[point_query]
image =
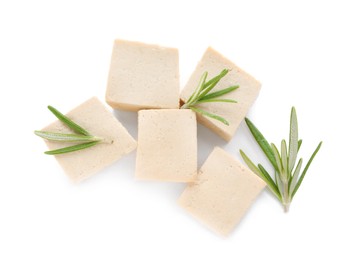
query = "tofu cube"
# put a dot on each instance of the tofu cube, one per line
(99, 121)
(222, 193)
(213, 62)
(143, 76)
(167, 145)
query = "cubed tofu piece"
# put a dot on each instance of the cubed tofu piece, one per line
(213, 62)
(167, 145)
(143, 76)
(222, 193)
(93, 116)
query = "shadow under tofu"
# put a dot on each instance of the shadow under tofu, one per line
(207, 140)
(129, 121)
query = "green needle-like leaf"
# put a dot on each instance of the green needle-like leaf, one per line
(72, 148)
(216, 79)
(279, 182)
(199, 88)
(220, 93)
(207, 90)
(293, 141)
(60, 137)
(250, 164)
(295, 176)
(306, 169)
(208, 114)
(284, 158)
(75, 127)
(216, 100)
(209, 86)
(277, 157)
(261, 140)
(299, 144)
(270, 182)
(267, 179)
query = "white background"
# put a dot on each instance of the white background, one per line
(58, 53)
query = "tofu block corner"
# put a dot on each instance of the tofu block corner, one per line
(143, 76)
(213, 62)
(99, 121)
(222, 193)
(167, 145)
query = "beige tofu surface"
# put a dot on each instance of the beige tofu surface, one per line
(143, 76)
(98, 121)
(213, 62)
(167, 145)
(222, 193)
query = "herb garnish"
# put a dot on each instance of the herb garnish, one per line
(202, 95)
(81, 136)
(287, 178)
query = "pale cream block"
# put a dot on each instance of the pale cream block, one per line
(167, 145)
(213, 62)
(143, 76)
(222, 193)
(93, 116)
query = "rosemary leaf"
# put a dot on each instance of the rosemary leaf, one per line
(250, 164)
(261, 140)
(72, 148)
(295, 176)
(77, 128)
(208, 114)
(199, 88)
(259, 173)
(279, 182)
(277, 157)
(305, 170)
(270, 182)
(293, 141)
(216, 79)
(216, 100)
(284, 158)
(60, 137)
(220, 93)
(211, 86)
(299, 144)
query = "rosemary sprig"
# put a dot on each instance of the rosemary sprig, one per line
(81, 136)
(287, 178)
(202, 95)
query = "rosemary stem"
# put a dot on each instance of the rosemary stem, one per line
(286, 199)
(185, 106)
(100, 139)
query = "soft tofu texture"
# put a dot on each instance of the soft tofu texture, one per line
(222, 193)
(99, 121)
(167, 145)
(143, 76)
(213, 62)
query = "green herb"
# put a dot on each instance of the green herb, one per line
(287, 178)
(81, 136)
(202, 95)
